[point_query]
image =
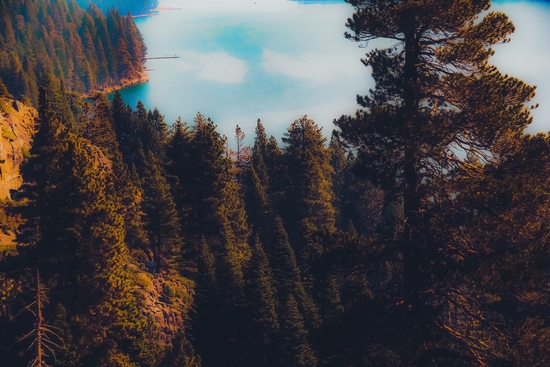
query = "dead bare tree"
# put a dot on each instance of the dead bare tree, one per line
(42, 333)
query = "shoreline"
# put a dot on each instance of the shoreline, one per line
(154, 12)
(121, 84)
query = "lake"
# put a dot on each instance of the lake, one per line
(277, 60)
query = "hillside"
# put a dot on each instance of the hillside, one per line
(17, 123)
(417, 236)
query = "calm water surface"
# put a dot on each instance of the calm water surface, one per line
(277, 60)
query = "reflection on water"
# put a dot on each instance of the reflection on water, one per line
(276, 60)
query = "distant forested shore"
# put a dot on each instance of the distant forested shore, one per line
(85, 50)
(134, 7)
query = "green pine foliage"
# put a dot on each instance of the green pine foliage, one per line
(286, 273)
(161, 220)
(4, 91)
(261, 298)
(309, 173)
(209, 196)
(440, 118)
(176, 163)
(76, 46)
(182, 354)
(206, 317)
(416, 237)
(99, 129)
(295, 348)
(75, 233)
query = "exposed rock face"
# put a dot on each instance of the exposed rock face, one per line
(165, 300)
(17, 126)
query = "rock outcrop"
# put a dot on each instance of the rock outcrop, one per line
(17, 125)
(165, 300)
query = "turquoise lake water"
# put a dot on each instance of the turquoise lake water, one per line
(277, 60)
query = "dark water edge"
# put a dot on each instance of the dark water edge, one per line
(493, 1)
(320, 1)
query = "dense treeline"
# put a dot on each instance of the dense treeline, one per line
(86, 50)
(415, 236)
(135, 7)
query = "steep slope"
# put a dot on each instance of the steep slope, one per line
(17, 123)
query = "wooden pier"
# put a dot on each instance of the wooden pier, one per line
(162, 57)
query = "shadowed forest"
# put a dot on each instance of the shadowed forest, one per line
(416, 235)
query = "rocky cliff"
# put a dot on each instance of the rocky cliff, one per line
(17, 124)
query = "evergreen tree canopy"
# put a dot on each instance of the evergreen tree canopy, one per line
(161, 219)
(436, 98)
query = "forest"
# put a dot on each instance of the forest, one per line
(416, 235)
(86, 50)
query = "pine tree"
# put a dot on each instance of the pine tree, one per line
(296, 350)
(161, 219)
(181, 354)
(206, 312)
(209, 193)
(262, 304)
(503, 217)
(4, 91)
(100, 131)
(435, 97)
(177, 155)
(233, 349)
(128, 128)
(256, 200)
(286, 273)
(76, 234)
(242, 153)
(309, 170)
(338, 163)
(158, 137)
(308, 211)
(45, 340)
(42, 170)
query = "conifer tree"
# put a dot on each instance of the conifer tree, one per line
(158, 137)
(296, 350)
(233, 314)
(242, 153)
(161, 219)
(100, 131)
(4, 91)
(307, 211)
(286, 273)
(42, 170)
(309, 171)
(45, 341)
(256, 200)
(260, 140)
(338, 163)
(262, 304)
(177, 155)
(76, 234)
(209, 192)
(59, 101)
(128, 128)
(181, 354)
(206, 312)
(436, 97)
